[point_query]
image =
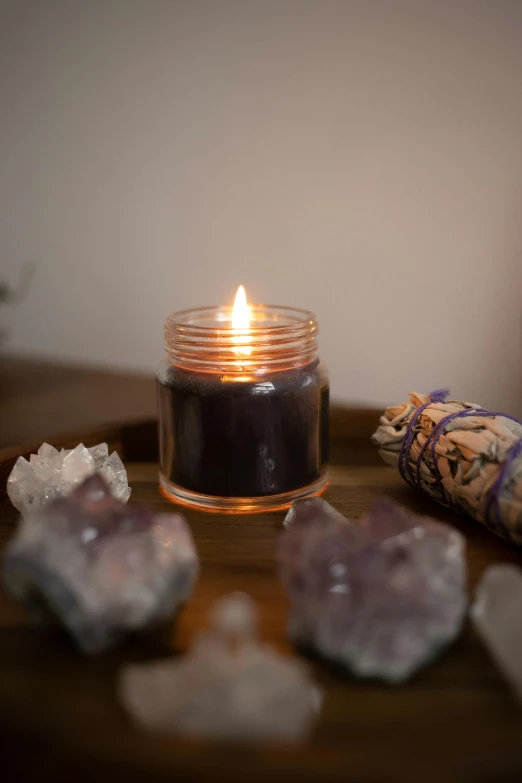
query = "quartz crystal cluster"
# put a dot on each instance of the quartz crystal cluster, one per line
(103, 568)
(381, 596)
(497, 618)
(52, 473)
(229, 685)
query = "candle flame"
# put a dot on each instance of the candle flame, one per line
(241, 322)
(241, 310)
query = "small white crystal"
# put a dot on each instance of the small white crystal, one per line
(497, 617)
(22, 481)
(113, 471)
(47, 451)
(43, 468)
(306, 511)
(51, 474)
(100, 454)
(228, 686)
(77, 464)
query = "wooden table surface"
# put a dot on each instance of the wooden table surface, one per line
(60, 719)
(40, 400)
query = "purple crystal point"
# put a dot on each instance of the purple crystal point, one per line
(104, 568)
(382, 596)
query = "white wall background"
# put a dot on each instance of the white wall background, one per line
(362, 159)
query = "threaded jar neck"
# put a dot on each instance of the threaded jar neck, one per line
(278, 338)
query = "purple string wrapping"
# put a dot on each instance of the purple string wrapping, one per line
(439, 395)
(493, 498)
(492, 514)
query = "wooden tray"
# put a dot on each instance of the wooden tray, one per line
(59, 715)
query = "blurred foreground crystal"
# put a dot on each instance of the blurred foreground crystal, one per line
(497, 617)
(52, 473)
(308, 511)
(381, 596)
(229, 685)
(105, 569)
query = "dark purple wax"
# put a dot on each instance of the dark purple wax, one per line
(234, 438)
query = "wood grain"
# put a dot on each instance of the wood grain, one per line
(61, 721)
(40, 400)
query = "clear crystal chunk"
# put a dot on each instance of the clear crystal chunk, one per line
(229, 685)
(100, 455)
(497, 618)
(304, 511)
(51, 474)
(104, 568)
(381, 596)
(47, 451)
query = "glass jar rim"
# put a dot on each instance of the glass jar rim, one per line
(277, 337)
(296, 317)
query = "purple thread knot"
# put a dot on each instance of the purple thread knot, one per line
(439, 395)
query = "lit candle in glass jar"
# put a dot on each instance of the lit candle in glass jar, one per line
(243, 407)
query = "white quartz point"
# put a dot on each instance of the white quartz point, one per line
(77, 463)
(305, 511)
(51, 474)
(229, 685)
(47, 451)
(100, 454)
(497, 617)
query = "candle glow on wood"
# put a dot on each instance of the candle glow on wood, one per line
(241, 323)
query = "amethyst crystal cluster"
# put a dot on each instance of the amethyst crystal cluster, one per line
(105, 569)
(381, 596)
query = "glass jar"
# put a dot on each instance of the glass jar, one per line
(243, 413)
